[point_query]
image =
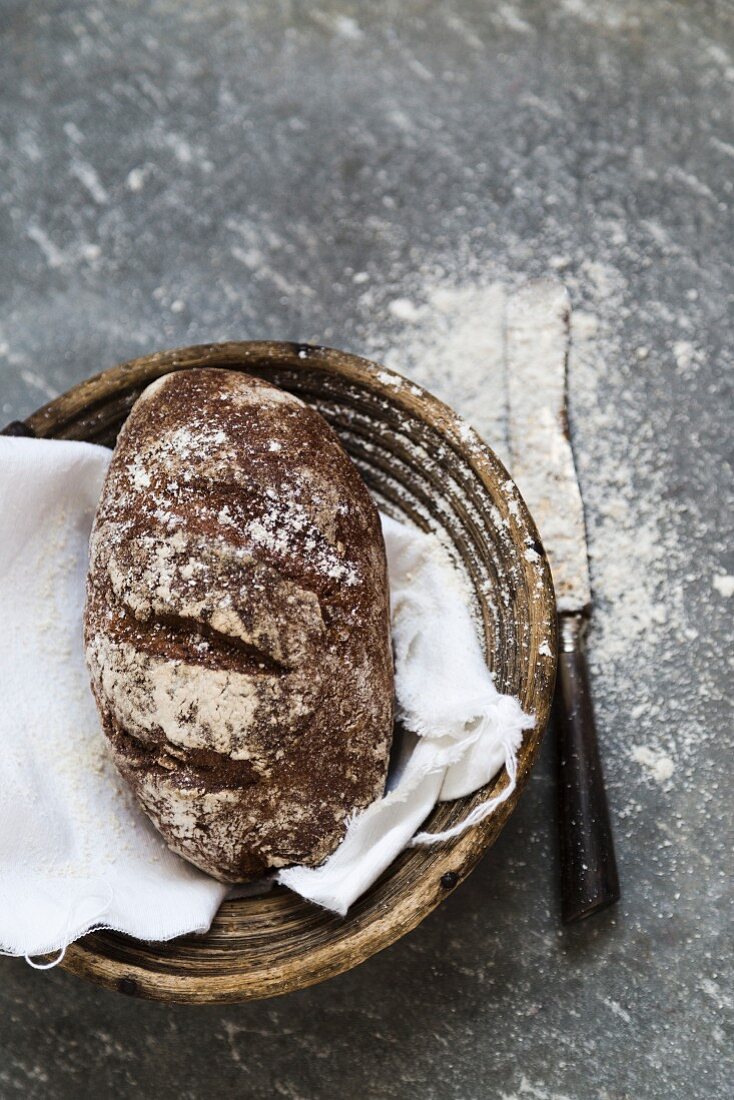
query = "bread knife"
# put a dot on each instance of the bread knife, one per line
(537, 338)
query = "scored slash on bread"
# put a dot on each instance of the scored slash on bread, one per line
(237, 624)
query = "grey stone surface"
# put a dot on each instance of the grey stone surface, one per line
(184, 171)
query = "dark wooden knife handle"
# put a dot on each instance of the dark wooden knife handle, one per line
(17, 427)
(589, 880)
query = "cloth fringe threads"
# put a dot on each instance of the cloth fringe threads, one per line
(484, 809)
(66, 935)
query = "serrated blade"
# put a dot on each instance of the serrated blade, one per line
(537, 340)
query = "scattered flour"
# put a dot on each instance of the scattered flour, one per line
(447, 334)
(454, 349)
(135, 179)
(724, 584)
(659, 766)
(89, 179)
(404, 310)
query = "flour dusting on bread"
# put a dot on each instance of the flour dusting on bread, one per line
(237, 624)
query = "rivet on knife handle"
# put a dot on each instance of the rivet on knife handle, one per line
(589, 880)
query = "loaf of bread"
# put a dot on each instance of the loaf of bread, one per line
(237, 624)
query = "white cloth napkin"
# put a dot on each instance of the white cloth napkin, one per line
(76, 852)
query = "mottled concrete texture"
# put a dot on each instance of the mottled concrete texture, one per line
(185, 170)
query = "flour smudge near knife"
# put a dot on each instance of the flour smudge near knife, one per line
(451, 341)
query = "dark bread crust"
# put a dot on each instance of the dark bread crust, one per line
(237, 624)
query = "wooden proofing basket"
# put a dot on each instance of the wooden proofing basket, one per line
(420, 461)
